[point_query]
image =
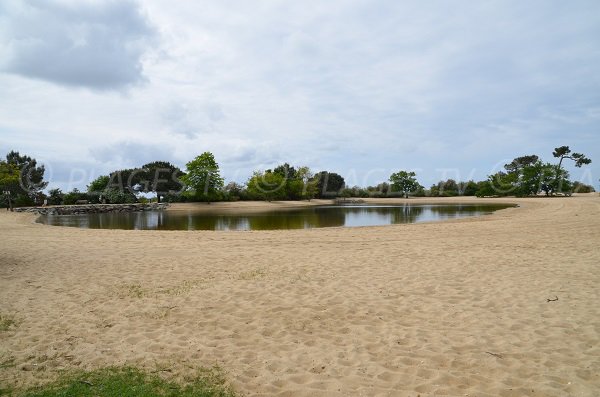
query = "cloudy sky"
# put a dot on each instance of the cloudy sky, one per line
(360, 87)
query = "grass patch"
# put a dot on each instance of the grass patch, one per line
(6, 322)
(131, 382)
(7, 363)
(255, 274)
(180, 289)
(131, 291)
(137, 291)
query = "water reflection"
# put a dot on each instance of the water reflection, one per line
(299, 218)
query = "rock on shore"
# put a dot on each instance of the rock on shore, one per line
(94, 208)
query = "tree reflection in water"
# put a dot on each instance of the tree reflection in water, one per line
(407, 214)
(297, 218)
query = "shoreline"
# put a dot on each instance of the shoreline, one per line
(401, 310)
(249, 207)
(258, 206)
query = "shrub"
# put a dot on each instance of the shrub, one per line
(74, 196)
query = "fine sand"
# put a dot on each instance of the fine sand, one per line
(503, 305)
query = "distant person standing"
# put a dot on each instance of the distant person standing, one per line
(7, 194)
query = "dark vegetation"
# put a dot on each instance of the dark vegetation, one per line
(22, 183)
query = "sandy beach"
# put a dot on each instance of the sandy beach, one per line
(501, 305)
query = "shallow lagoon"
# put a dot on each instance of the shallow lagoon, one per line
(290, 218)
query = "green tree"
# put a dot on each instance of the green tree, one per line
(97, 188)
(31, 177)
(203, 177)
(293, 184)
(55, 196)
(562, 153)
(125, 180)
(234, 191)
(162, 178)
(467, 188)
(519, 163)
(121, 186)
(379, 191)
(267, 186)
(524, 174)
(346, 193)
(284, 182)
(309, 184)
(579, 187)
(448, 188)
(354, 191)
(499, 184)
(329, 184)
(554, 180)
(9, 183)
(538, 176)
(293, 188)
(530, 179)
(286, 171)
(116, 188)
(404, 182)
(98, 185)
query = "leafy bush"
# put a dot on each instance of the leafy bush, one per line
(119, 196)
(74, 196)
(23, 200)
(579, 187)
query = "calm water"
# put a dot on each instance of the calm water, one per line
(298, 218)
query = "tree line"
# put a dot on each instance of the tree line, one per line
(529, 175)
(22, 183)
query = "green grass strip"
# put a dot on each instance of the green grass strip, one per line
(131, 382)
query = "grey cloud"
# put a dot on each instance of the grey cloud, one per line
(98, 45)
(131, 154)
(192, 120)
(244, 155)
